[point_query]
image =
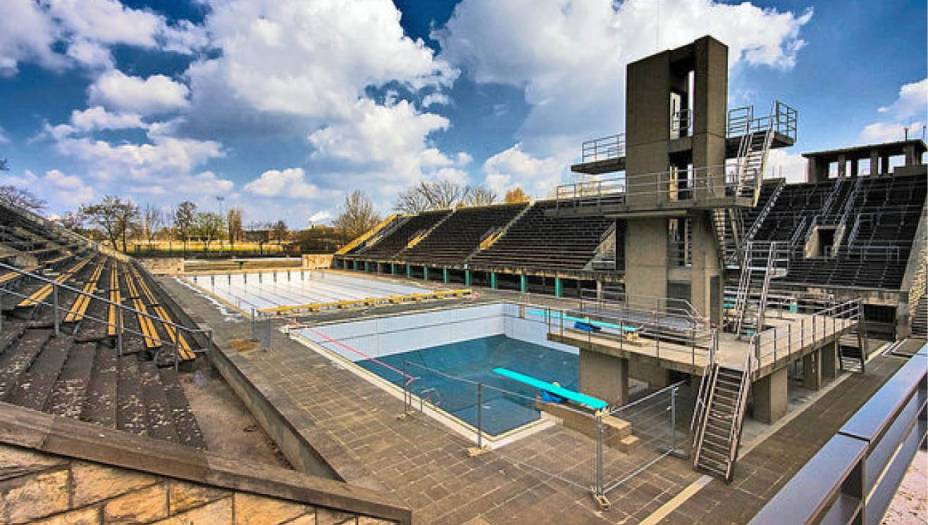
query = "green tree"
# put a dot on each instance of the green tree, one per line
(114, 218)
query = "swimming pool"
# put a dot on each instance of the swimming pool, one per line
(444, 354)
(294, 287)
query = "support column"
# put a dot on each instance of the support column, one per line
(392, 268)
(829, 362)
(493, 280)
(367, 266)
(467, 278)
(854, 166)
(599, 290)
(408, 271)
(444, 275)
(354, 265)
(425, 273)
(558, 287)
(842, 166)
(604, 377)
(770, 396)
(874, 163)
(523, 283)
(812, 370)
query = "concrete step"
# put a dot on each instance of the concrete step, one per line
(12, 330)
(130, 409)
(188, 431)
(35, 385)
(100, 403)
(70, 390)
(160, 421)
(19, 358)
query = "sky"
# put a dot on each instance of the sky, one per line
(282, 107)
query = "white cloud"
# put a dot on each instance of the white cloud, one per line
(513, 167)
(26, 34)
(288, 183)
(912, 101)
(435, 98)
(58, 189)
(4, 138)
(106, 21)
(320, 217)
(312, 58)
(907, 112)
(570, 57)
(155, 94)
(98, 118)
(782, 163)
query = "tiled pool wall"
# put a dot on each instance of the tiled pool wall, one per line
(383, 336)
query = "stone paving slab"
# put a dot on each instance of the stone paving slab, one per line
(353, 425)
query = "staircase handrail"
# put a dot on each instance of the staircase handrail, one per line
(768, 206)
(703, 385)
(734, 437)
(124, 308)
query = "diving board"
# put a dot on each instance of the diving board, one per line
(576, 397)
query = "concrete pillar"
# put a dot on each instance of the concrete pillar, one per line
(523, 283)
(771, 396)
(604, 376)
(653, 374)
(392, 268)
(354, 265)
(874, 163)
(812, 370)
(493, 280)
(842, 166)
(854, 165)
(830, 361)
(409, 271)
(467, 278)
(425, 273)
(599, 290)
(558, 287)
(367, 266)
(444, 275)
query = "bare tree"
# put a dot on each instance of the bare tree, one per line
(115, 217)
(279, 229)
(479, 196)
(234, 225)
(152, 221)
(73, 221)
(209, 226)
(184, 216)
(434, 195)
(262, 232)
(21, 198)
(357, 215)
(515, 196)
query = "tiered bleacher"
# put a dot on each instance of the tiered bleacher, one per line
(542, 241)
(877, 218)
(396, 239)
(83, 372)
(461, 234)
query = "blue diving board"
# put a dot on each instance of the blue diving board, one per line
(576, 397)
(585, 320)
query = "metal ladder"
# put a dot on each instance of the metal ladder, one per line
(761, 263)
(752, 161)
(719, 416)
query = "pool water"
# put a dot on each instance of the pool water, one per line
(474, 360)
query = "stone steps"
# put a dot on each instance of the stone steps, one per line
(70, 391)
(35, 385)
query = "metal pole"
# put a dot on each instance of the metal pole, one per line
(119, 332)
(57, 322)
(405, 390)
(673, 421)
(479, 415)
(254, 334)
(598, 480)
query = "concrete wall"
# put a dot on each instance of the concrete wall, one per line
(316, 261)
(163, 265)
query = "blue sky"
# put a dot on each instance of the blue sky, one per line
(283, 106)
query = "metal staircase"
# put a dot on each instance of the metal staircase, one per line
(852, 345)
(762, 262)
(729, 230)
(920, 318)
(719, 415)
(605, 258)
(752, 161)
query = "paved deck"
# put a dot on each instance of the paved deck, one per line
(767, 467)
(353, 425)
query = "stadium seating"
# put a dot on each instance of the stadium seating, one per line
(458, 236)
(396, 240)
(542, 241)
(81, 373)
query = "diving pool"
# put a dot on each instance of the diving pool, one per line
(445, 354)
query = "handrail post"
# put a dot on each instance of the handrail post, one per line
(55, 309)
(119, 337)
(479, 415)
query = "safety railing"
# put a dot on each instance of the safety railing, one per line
(681, 123)
(603, 148)
(121, 330)
(591, 299)
(781, 342)
(782, 119)
(669, 186)
(855, 475)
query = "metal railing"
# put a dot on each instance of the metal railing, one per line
(782, 119)
(669, 186)
(681, 123)
(773, 344)
(603, 148)
(854, 476)
(119, 325)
